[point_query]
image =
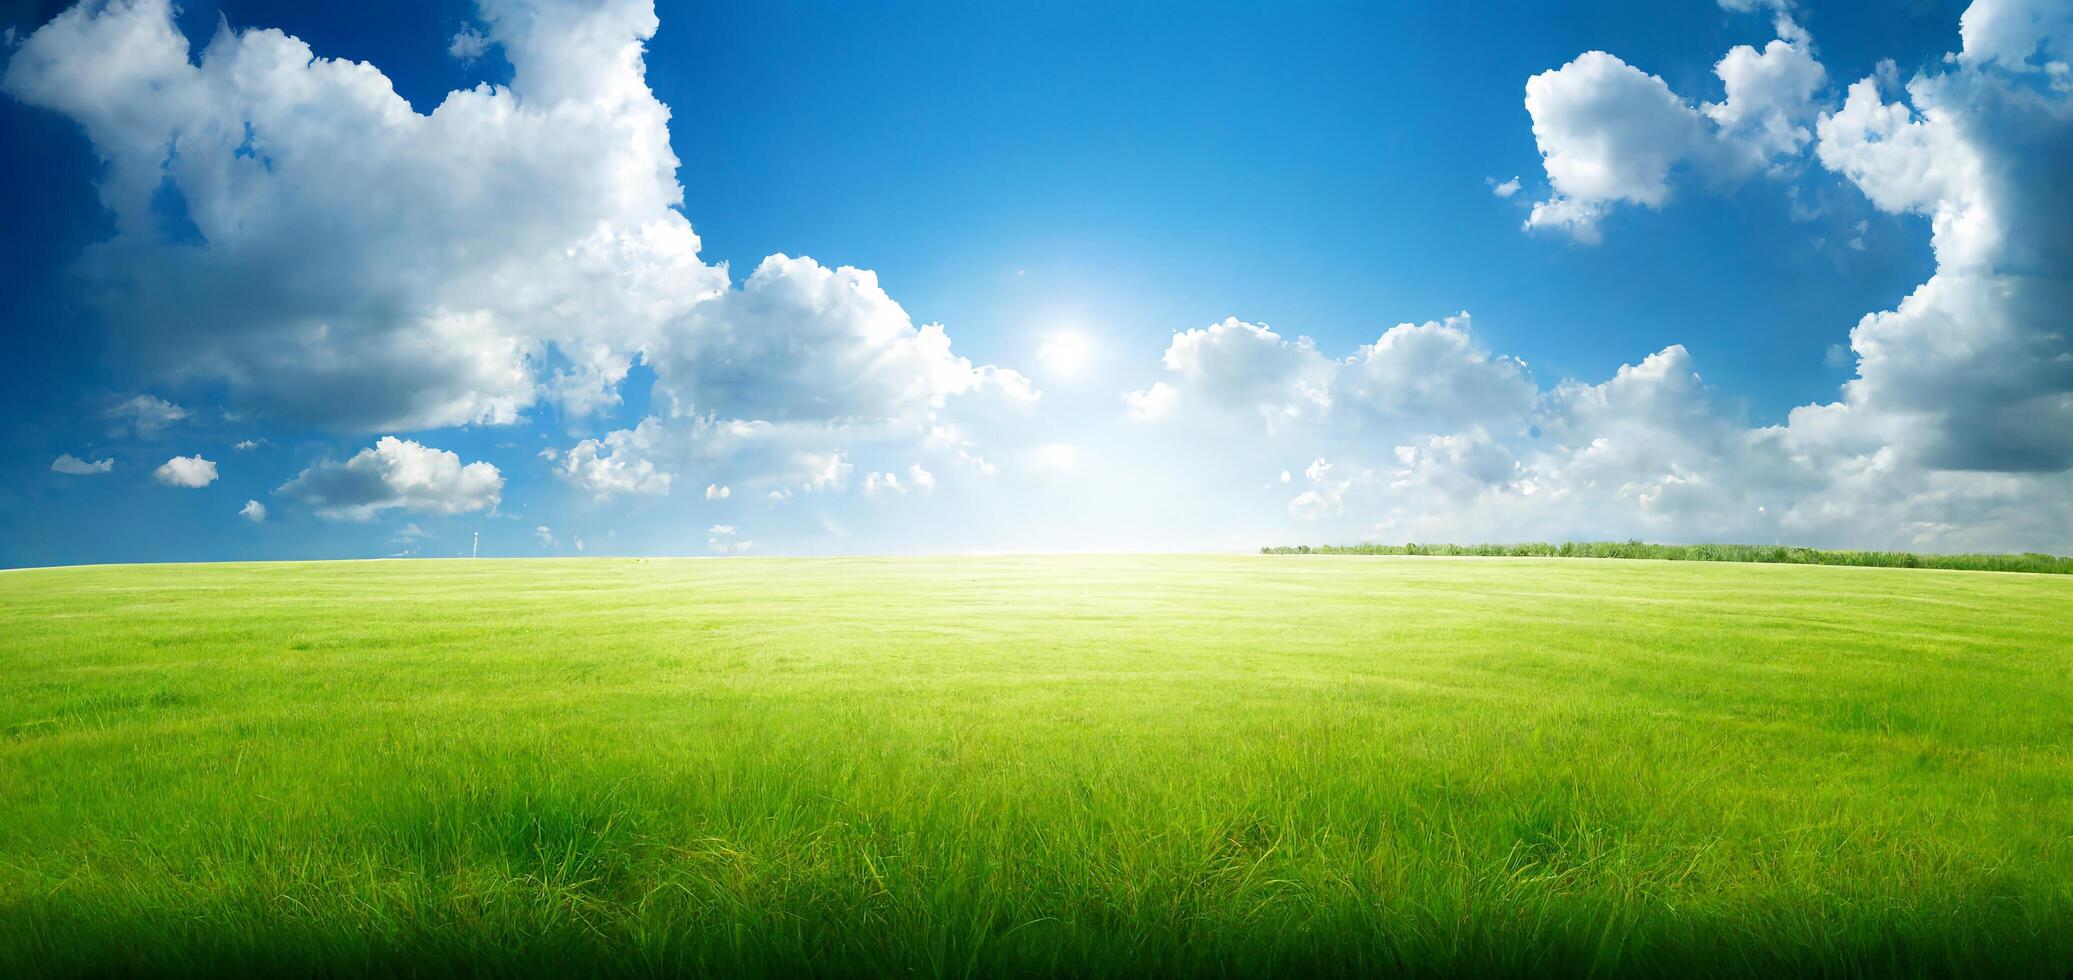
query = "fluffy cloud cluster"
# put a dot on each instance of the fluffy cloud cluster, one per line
(888, 483)
(291, 232)
(1957, 431)
(723, 539)
(190, 472)
(143, 415)
(288, 226)
(1610, 133)
(396, 474)
(616, 464)
(803, 343)
(1414, 377)
(1974, 369)
(71, 465)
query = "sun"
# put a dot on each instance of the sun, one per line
(1065, 353)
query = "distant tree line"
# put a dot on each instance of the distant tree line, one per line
(1771, 554)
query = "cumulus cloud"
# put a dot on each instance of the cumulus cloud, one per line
(2022, 35)
(1413, 377)
(1955, 433)
(822, 471)
(1246, 367)
(71, 465)
(1770, 100)
(396, 474)
(1974, 369)
(1610, 133)
(714, 491)
(468, 45)
(801, 342)
(1151, 404)
(186, 471)
(1326, 496)
(619, 463)
(1434, 375)
(336, 257)
(253, 511)
(143, 415)
(879, 484)
(724, 539)
(918, 480)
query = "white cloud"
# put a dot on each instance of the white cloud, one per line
(396, 474)
(1415, 377)
(723, 539)
(1612, 134)
(1770, 100)
(1433, 375)
(822, 471)
(1974, 369)
(714, 491)
(801, 342)
(919, 480)
(545, 535)
(2011, 33)
(880, 484)
(618, 464)
(247, 445)
(517, 243)
(144, 415)
(1608, 132)
(1504, 188)
(1326, 496)
(253, 511)
(1151, 404)
(74, 466)
(1956, 433)
(186, 471)
(1239, 366)
(468, 45)
(1454, 466)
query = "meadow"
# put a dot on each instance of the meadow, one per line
(1088, 766)
(1769, 554)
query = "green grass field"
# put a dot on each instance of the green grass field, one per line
(1227, 766)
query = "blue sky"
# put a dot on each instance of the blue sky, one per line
(1109, 174)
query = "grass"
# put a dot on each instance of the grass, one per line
(1770, 554)
(1211, 766)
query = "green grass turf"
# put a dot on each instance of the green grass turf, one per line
(985, 766)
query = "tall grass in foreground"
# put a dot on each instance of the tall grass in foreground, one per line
(1206, 766)
(1769, 554)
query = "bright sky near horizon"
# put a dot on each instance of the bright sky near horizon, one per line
(625, 277)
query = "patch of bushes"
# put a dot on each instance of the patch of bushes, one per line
(1762, 553)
